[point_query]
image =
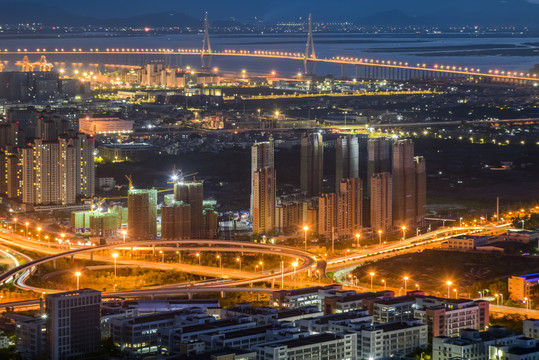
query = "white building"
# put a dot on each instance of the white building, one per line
(531, 328)
(316, 347)
(473, 345)
(387, 340)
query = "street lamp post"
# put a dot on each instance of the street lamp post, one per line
(294, 265)
(460, 222)
(380, 236)
(357, 238)
(497, 299)
(27, 223)
(448, 283)
(305, 228)
(124, 233)
(238, 260)
(372, 278)
(48, 240)
(77, 275)
(199, 260)
(15, 225)
(406, 285)
(220, 264)
(179, 256)
(282, 275)
(261, 266)
(527, 303)
(115, 256)
(38, 233)
(385, 284)
(456, 293)
(403, 233)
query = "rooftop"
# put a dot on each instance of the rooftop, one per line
(306, 341)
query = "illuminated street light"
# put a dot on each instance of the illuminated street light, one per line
(385, 284)
(238, 260)
(124, 233)
(357, 238)
(38, 233)
(220, 264)
(27, 223)
(295, 265)
(115, 256)
(403, 233)
(372, 277)
(380, 236)
(406, 284)
(199, 260)
(448, 283)
(305, 228)
(77, 275)
(179, 256)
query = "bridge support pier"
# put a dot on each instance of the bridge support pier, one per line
(92, 256)
(190, 295)
(72, 259)
(54, 263)
(257, 296)
(342, 71)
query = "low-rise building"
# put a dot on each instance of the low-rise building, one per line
(465, 242)
(446, 317)
(323, 346)
(475, 345)
(138, 336)
(520, 286)
(172, 337)
(381, 341)
(31, 336)
(530, 328)
(521, 236)
(334, 323)
(394, 309)
(345, 301)
(313, 296)
(105, 126)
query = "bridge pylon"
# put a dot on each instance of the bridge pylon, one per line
(206, 45)
(309, 49)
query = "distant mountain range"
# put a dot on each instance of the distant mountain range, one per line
(393, 12)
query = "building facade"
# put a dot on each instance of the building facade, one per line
(312, 164)
(263, 187)
(73, 324)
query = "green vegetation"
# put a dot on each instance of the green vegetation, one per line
(126, 279)
(469, 272)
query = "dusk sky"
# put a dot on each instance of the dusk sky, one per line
(291, 9)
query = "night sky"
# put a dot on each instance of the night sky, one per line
(272, 10)
(380, 12)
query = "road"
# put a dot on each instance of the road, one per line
(305, 259)
(342, 264)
